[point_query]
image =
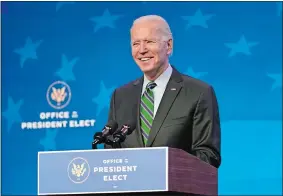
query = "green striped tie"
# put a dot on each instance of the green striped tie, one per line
(147, 110)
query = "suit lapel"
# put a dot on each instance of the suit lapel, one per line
(137, 93)
(172, 90)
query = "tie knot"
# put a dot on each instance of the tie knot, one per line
(151, 85)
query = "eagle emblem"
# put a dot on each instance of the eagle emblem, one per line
(58, 95)
(78, 170)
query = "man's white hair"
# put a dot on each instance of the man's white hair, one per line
(163, 26)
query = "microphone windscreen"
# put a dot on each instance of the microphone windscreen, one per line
(113, 125)
(97, 135)
(132, 126)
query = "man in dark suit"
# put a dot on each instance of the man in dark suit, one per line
(171, 109)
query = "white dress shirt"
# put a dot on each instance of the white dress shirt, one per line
(158, 91)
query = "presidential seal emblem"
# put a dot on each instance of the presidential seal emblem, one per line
(58, 95)
(78, 170)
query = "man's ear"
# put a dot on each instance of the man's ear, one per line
(170, 46)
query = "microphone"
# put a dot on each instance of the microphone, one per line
(101, 137)
(121, 134)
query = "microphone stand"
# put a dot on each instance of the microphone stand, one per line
(94, 145)
(108, 141)
(116, 144)
(113, 143)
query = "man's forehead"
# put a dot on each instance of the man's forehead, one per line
(146, 25)
(145, 31)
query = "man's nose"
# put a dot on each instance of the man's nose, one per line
(143, 48)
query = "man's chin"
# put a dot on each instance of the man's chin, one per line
(146, 67)
(147, 70)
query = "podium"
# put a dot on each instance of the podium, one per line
(125, 171)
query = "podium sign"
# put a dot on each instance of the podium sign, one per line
(103, 171)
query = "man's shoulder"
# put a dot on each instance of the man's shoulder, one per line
(195, 84)
(128, 86)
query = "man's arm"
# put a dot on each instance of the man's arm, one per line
(111, 115)
(206, 139)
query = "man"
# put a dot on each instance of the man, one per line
(171, 109)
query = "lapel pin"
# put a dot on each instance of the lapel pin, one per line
(173, 89)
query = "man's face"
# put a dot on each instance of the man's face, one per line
(149, 50)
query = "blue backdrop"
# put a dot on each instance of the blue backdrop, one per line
(85, 46)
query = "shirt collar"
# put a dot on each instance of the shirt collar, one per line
(162, 80)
